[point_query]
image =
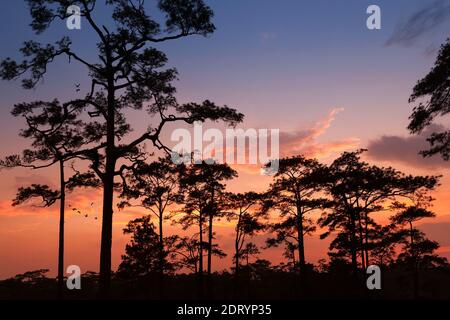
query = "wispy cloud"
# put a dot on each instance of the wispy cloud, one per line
(305, 141)
(420, 23)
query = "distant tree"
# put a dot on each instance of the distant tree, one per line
(382, 248)
(155, 186)
(417, 251)
(249, 251)
(244, 208)
(204, 187)
(56, 136)
(359, 189)
(259, 269)
(31, 278)
(433, 96)
(293, 195)
(289, 253)
(186, 253)
(194, 214)
(142, 255)
(407, 216)
(128, 73)
(422, 252)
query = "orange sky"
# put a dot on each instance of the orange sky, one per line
(28, 236)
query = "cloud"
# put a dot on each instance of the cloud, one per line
(405, 149)
(305, 141)
(296, 139)
(420, 23)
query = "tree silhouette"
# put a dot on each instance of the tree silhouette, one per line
(433, 96)
(186, 252)
(187, 248)
(417, 250)
(293, 195)
(155, 185)
(143, 255)
(204, 200)
(244, 208)
(128, 73)
(382, 249)
(248, 251)
(57, 135)
(359, 189)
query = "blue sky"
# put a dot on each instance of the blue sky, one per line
(285, 63)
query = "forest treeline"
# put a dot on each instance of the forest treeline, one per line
(348, 194)
(91, 141)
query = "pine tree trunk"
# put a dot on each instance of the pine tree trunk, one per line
(210, 237)
(210, 233)
(161, 255)
(108, 194)
(200, 258)
(106, 241)
(361, 243)
(200, 249)
(301, 245)
(353, 244)
(367, 239)
(414, 264)
(161, 243)
(236, 248)
(61, 230)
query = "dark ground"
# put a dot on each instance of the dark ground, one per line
(396, 285)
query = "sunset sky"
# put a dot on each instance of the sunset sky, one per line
(310, 68)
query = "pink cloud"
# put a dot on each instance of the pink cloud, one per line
(306, 142)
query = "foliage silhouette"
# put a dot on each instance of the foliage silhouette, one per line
(155, 186)
(294, 195)
(204, 188)
(417, 251)
(245, 209)
(128, 73)
(143, 255)
(359, 189)
(432, 93)
(56, 138)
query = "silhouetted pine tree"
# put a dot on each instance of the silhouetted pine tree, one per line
(417, 251)
(128, 73)
(432, 93)
(293, 195)
(56, 136)
(245, 210)
(155, 186)
(359, 189)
